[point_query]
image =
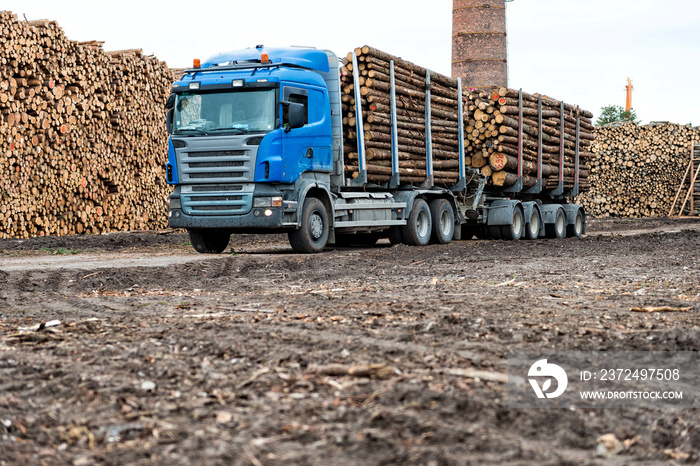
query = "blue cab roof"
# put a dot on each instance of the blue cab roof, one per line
(295, 56)
(292, 64)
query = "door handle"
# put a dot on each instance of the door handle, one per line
(309, 153)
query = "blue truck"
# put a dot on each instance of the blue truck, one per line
(256, 146)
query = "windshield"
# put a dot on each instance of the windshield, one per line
(237, 112)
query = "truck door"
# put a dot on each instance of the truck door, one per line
(307, 148)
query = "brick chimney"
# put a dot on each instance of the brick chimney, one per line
(479, 53)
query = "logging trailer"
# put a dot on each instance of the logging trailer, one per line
(256, 146)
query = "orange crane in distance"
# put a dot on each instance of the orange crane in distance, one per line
(628, 103)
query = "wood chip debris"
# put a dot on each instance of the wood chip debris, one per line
(372, 371)
(608, 445)
(660, 309)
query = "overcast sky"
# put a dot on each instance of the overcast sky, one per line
(579, 51)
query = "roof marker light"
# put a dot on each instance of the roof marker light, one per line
(237, 83)
(264, 58)
(197, 63)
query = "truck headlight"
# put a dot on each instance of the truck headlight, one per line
(175, 204)
(275, 201)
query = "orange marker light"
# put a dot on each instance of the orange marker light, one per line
(264, 58)
(197, 63)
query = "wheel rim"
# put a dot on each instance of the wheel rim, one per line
(423, 224)
(560, 223)
(534, 225)
(579, 224)
(517, 223)
(445, 222)
(316, 226)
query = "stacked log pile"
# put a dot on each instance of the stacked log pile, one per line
(82, 134)
(410, 101)
(491, 122)
(493, 131)
(636, 170)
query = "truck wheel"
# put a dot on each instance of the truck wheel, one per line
(417, 230)
(558, 228)
(579, 225)
(209, 241)
(515, 230)
(457, 236)
(533, 227)
(312, 235)
(443, 220)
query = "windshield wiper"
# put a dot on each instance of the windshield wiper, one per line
(196, 130)
(239, 130)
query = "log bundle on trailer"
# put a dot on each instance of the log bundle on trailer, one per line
(504, 129)
(82, 134)
(636, 170)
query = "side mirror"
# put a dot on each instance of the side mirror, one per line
(169, 120)
(295, 115)
(170, 103)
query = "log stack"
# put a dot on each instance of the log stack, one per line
(410, 101)
(636, 170)
(82, 134)
(496, 119)
(491, 127)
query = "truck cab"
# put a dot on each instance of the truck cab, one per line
(251, 135)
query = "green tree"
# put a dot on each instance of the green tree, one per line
(615, 113)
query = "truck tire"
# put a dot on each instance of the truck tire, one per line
(418, 227)
(209, 241)
(443, 220)
(534, 225)
(558, 228)
(515, 230)
(457, 236)
(312, 235)
(578, 227)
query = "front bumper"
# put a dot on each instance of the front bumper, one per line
(256, 219)
(253, 216)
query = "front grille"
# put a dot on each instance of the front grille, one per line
(236, 163)
(216, 203)
(212, 208)
(216, 188)
(216, 198)
(202, 176)
(216, 180)
(216, 166)
(217, 153)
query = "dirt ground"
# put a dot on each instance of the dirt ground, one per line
(130, 348)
